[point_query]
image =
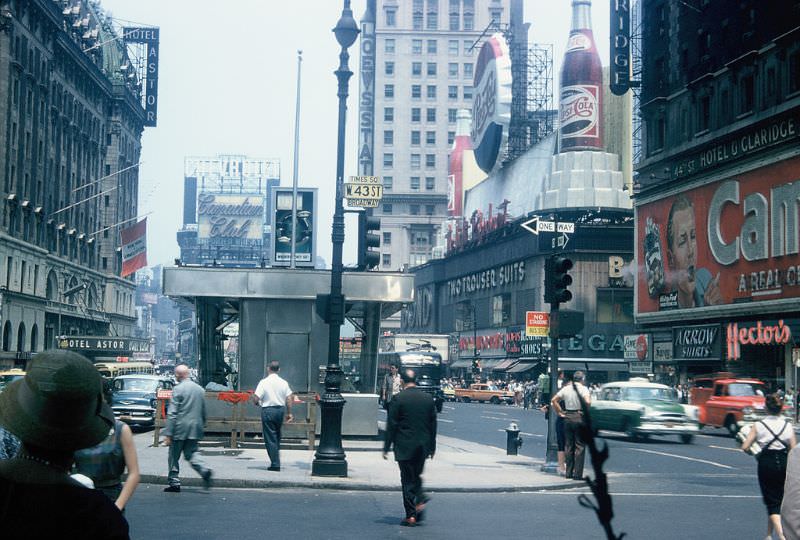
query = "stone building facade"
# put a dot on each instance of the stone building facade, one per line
(71, 122)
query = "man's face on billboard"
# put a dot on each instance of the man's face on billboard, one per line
(683, 250)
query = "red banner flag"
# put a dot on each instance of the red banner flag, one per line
(134, 248)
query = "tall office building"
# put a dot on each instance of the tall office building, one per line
(425, 53)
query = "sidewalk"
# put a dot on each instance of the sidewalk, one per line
(458, 466)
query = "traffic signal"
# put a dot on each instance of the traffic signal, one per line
(367, 258)
(476, 366)
(556, 279)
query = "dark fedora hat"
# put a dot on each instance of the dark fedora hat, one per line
(58, 405)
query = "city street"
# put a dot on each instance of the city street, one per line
(662, 489)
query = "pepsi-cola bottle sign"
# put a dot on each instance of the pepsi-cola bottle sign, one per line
(580, 107)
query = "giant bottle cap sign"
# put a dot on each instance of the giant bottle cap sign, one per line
(491, 106)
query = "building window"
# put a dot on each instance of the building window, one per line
(430, 161)
(431, 91)
(771, 84)
(429, 209)
(452, 92)
(468, 70)
(416, 114)
(432, 46)
(431, 69)
(704, 114)
(388, 182)
(454, 13)
(495, 15)
(452, 47)
(452, 70)
(469, 47)
(388, 161)
(388, 68)
(501, 309)
(387, 208)
(430, 137)
(433, 15)
(430, 183)
(388, 137)
(657, 134)
(416, 46)
(413, 209)
(794, 72)
(416, 69)
(388, 114)
(415, 161)
(388, 46)
(451, 136)
(387, 239)
(391, 18)
(614, 306)
(451, 116)
(467, 92)
(416, 91)
(430, 115)
(415, 183)
(416, 15)
(415, 138)
(469, 21)
(387, 260)
(747, 91)
(388, 90)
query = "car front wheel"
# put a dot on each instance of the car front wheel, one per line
(687, 438)
(731, 425)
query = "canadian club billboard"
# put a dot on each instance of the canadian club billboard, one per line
(731, 241)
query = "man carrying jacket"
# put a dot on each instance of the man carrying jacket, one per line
(411, 428)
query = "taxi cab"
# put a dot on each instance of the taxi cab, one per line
(134, 400)
(10, 375)
(640, 408)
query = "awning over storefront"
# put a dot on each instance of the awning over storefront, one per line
(522, 367)
(505, 364)
(461, 363)
(610, 366)
(592, 364)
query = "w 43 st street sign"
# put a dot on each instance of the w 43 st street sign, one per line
(364, 191)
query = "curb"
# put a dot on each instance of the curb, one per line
(238, 483)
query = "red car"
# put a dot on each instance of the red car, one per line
(724, 400)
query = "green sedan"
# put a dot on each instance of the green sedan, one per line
(640, 408)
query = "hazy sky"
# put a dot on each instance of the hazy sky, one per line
(227, 82)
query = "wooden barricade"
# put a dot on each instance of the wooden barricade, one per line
(240, 418)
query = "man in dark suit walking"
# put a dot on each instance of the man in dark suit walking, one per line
(411, 428)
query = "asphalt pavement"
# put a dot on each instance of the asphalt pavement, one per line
(661, 488)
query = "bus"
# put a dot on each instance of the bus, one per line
(427, 365)
(111, 370)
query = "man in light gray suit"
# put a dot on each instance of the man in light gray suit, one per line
(185, 420)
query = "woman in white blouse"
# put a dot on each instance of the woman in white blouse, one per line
(775, 435)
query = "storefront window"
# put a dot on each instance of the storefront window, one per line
(614, 306)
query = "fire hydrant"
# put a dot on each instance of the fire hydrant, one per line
(513, 440)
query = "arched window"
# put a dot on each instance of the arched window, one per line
(21, 337)
(52, 286)
(7, 336)
(34, 338)
(91, 297)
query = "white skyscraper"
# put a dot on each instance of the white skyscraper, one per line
(425, 53)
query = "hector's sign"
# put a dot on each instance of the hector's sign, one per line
(760, 334)
(732, 241)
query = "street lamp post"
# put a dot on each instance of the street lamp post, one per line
(329, 459)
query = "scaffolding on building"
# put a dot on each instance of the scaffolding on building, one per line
(636, 77)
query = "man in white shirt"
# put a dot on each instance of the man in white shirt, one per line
(275, 398)
(573, 420)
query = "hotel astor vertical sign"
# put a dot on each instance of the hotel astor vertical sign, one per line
(149, 36)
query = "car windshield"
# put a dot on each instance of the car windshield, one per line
(641, 394)
(135, 385)
(742, 389)
(5, 380)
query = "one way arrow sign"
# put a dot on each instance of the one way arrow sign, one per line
(536, 225)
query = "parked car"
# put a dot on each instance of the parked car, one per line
(483, 392)
(725, 400)
(640, 408)
(10, 375)
(134, 398)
